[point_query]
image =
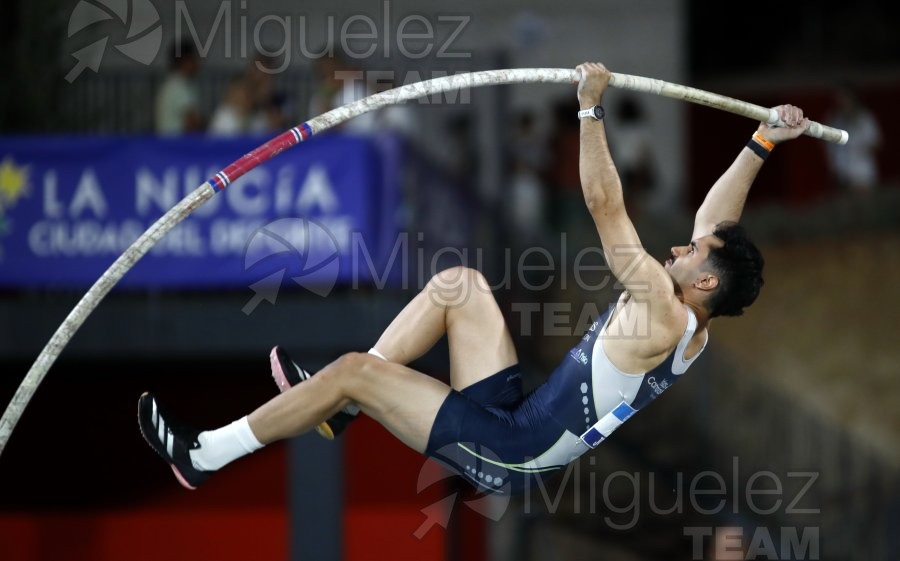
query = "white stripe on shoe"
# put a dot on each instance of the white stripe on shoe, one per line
(304, 375)
(351, 409)
(170, 441)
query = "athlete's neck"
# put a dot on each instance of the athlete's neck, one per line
(699, 310)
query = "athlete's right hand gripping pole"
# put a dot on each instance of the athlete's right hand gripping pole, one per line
(736, 106)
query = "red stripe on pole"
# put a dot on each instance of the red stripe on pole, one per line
(256, 157)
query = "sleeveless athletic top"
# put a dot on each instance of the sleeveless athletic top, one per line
(591, 398)
(504, 442)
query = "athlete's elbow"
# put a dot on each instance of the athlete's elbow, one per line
(603, 204)
(595, 200)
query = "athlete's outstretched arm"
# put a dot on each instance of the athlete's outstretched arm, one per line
(639, 273)
(725, 200)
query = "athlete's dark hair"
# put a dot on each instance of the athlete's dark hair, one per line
(739, 265)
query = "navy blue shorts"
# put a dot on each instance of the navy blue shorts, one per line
(487, 432)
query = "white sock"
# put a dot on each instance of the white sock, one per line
(222, 446)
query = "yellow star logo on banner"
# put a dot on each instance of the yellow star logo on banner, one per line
(13, 182)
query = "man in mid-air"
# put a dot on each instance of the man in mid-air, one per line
(482, 425)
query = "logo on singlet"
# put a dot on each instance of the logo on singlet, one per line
(579, 355)
(659, 387)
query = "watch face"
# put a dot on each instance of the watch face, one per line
(598, 112)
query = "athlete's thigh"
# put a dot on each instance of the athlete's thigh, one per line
(403, 400)
(479, 339)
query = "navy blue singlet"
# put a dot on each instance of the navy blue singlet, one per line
(504, 442)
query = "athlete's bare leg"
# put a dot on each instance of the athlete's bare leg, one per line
(404, 401)
(456, 302)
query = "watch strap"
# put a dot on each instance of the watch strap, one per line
(592, 113)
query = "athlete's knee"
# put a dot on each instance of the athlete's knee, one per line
(457, 286)
(353, 369)
(461, 274)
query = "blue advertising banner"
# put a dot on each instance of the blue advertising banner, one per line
(69, 206)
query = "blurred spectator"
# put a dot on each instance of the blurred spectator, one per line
(461, 153)
(526, 209)
(177, 102)
(631, 147)
(569, 211)
(338, 83)
(854, 165)
(327, 87)
(232, 116)
(268, 111)
(398, 117)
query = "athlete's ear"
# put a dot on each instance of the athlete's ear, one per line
(708, 281)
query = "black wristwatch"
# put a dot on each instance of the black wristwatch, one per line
(596, 113)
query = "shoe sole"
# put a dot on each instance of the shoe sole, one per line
(283, 385)
(277, 373)
(177, 473)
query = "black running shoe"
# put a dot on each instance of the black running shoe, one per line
(288, 374)
(171, 441)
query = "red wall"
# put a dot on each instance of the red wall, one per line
(384, 510)
(240, 514)
(57, 502)
(77, 481)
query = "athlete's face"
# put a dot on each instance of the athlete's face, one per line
(689, 264)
